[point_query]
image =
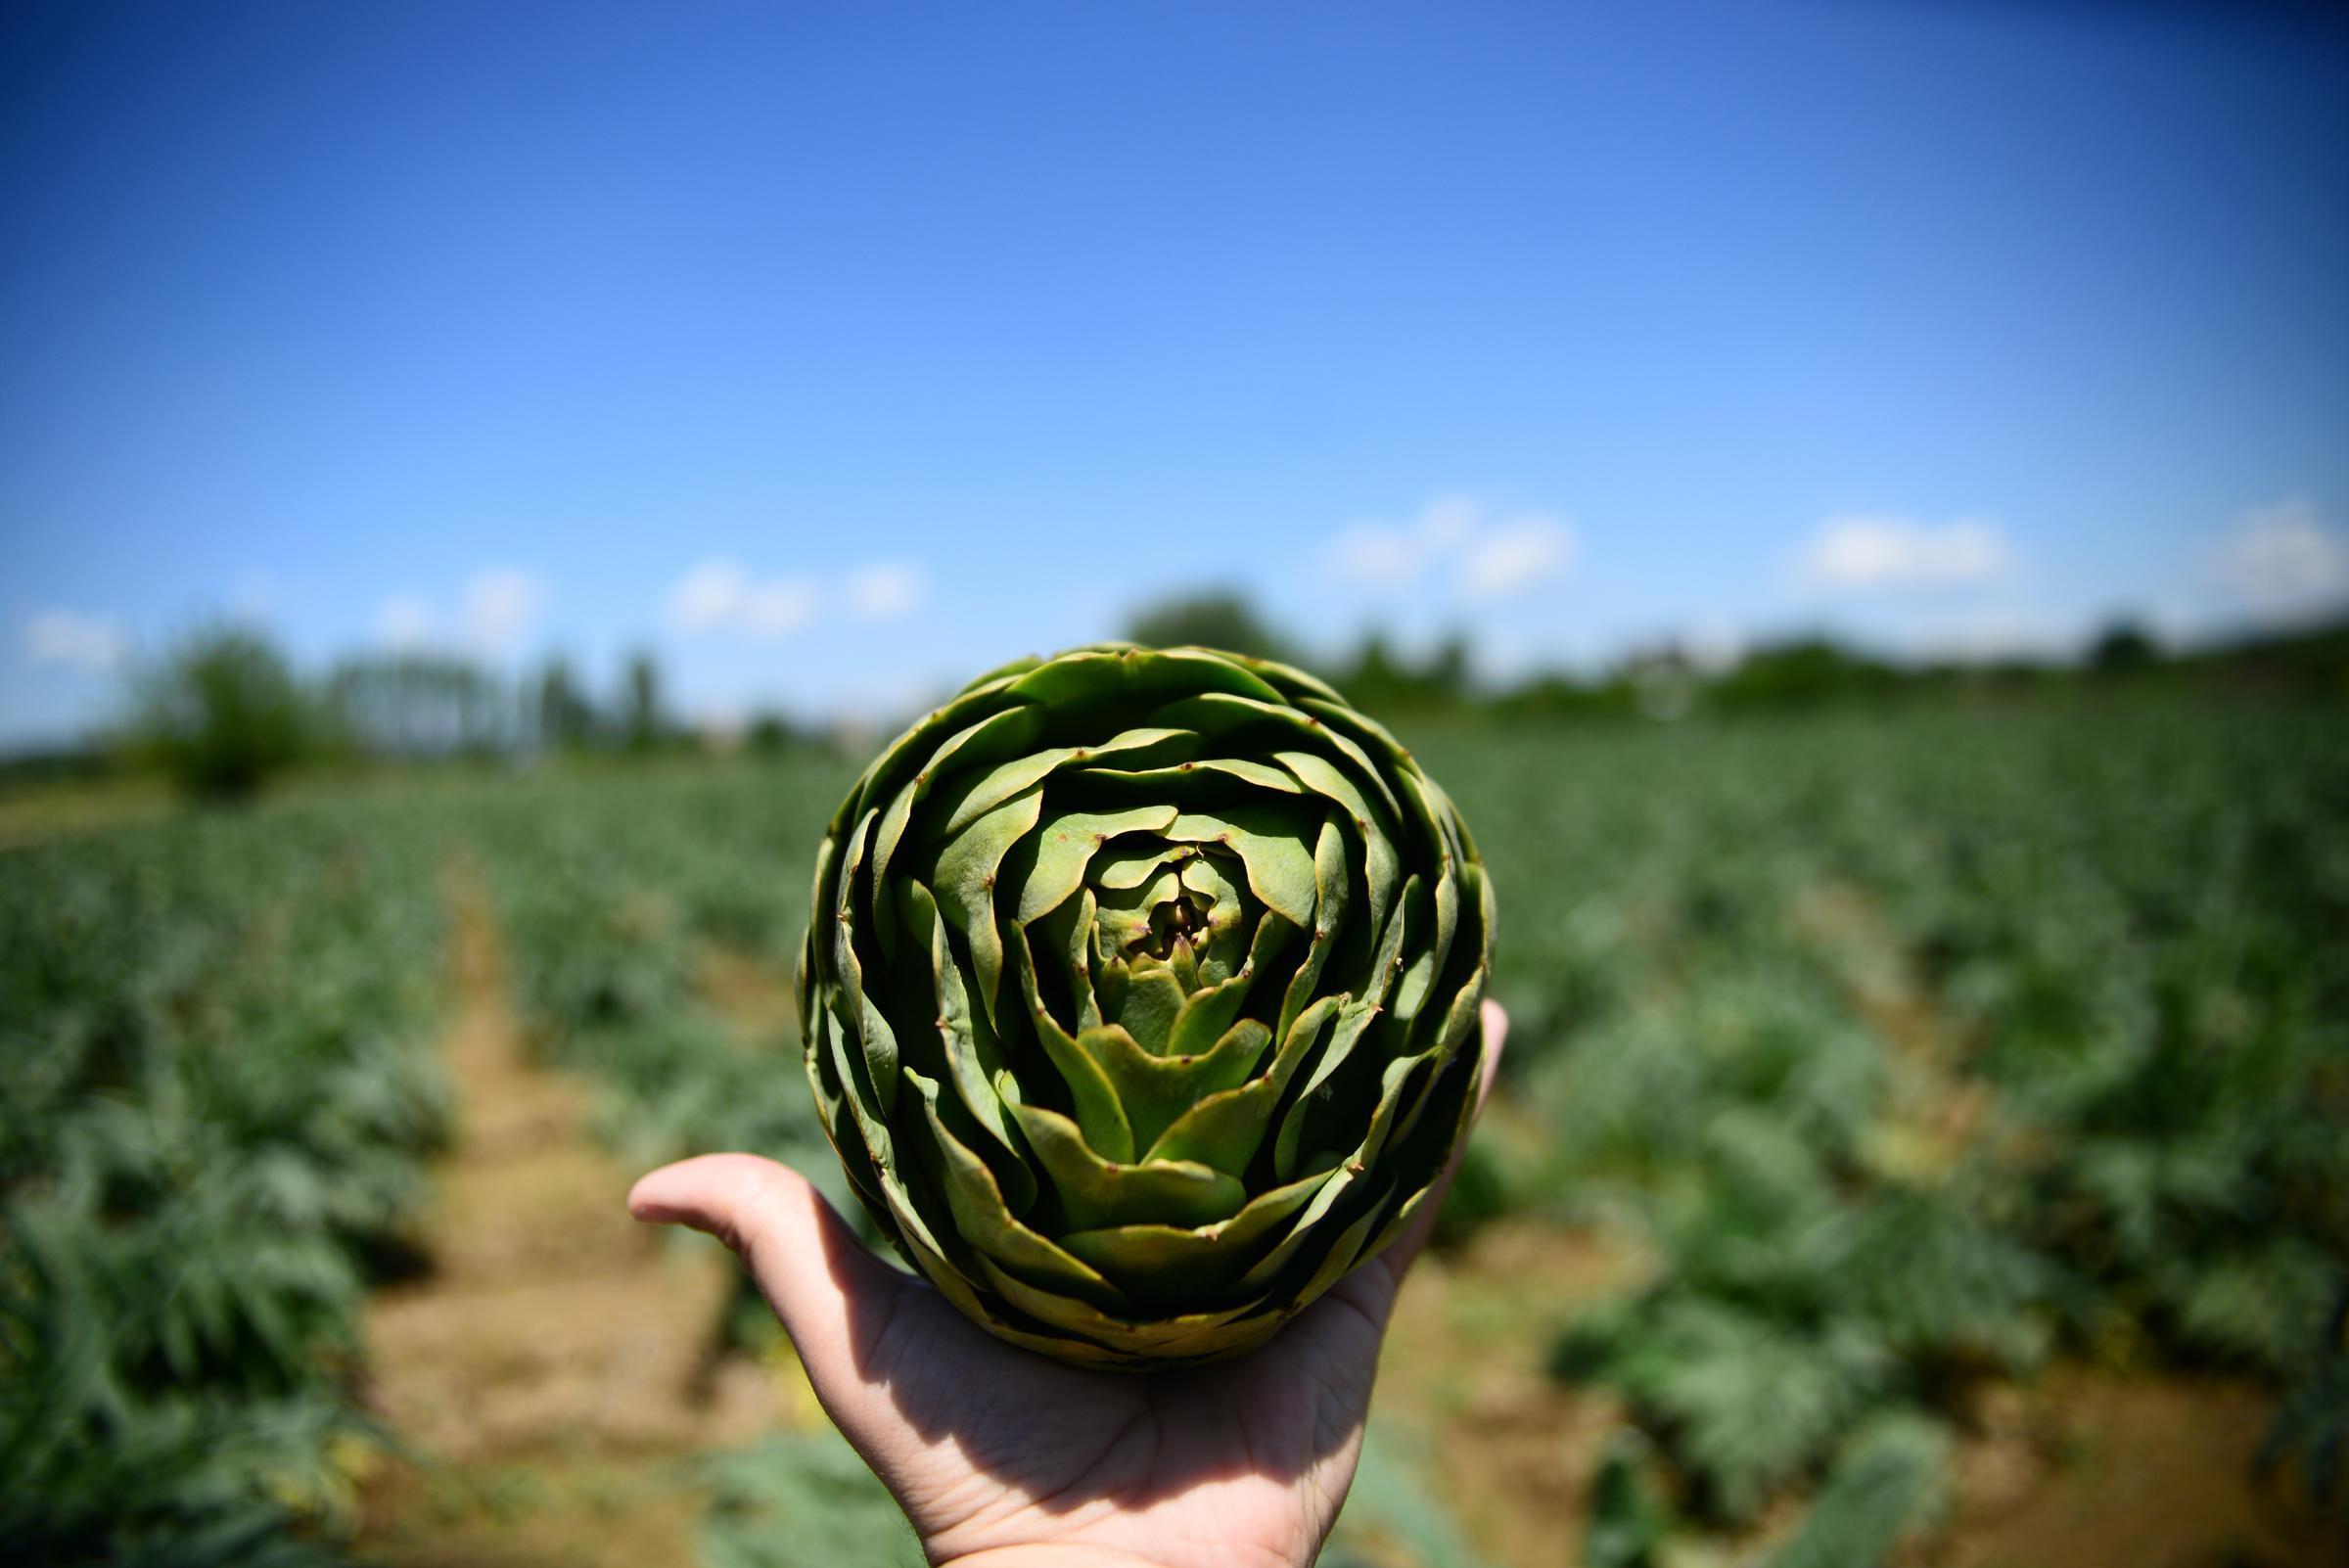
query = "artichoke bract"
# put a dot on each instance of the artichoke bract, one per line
(1140, 997)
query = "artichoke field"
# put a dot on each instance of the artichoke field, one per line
(1140, 997)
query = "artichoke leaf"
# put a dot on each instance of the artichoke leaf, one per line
(1270, 841)
(1066, 844)
(1130, 674)
(1096, 1193)
(1156, 1089)
(874, 1037)
(1153, 1002)
(965, 887)
(1225, 1127)
(1099, 1115)
(1164, 1263)
(986, 1221)
(1373, 828)
(1216, 716)
(1195, 780)
(970, 1052)
(1333, 891)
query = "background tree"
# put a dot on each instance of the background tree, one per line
(1213, 617)
(566, 718)
(2123, 648)
(221, 713)
(641, 718)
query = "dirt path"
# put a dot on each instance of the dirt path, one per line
(555, 1367)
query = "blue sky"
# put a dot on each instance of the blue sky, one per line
(838, 351)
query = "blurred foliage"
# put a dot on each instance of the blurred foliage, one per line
(1213, 617)
(222, 712)
(1916, 1049)
(214, 1112)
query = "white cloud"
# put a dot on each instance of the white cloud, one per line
(500, 604)
(495, 608)
(886, 590)
(718, 595)
(71, 637)
(403, 621)
(1890, 551)
(1457, 537)
(776, 608)
(2282, 562)
(709, 595)
(1516, 555)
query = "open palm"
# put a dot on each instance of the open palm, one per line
(999, 1456)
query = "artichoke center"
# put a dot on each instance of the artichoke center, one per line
(1181, 919)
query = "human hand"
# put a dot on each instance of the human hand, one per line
(1003, 1459)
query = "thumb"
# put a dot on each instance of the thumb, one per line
(822, 1283)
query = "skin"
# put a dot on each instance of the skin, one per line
(1004, 1460)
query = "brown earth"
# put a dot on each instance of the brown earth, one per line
(555, 1373)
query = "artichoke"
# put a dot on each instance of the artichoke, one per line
(1140, 997)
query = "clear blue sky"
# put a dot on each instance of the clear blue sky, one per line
(837, 351)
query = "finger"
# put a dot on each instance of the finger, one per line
(817, 1276)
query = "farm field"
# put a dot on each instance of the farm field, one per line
(1924, 1139)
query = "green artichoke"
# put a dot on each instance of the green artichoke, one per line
(1140, 997)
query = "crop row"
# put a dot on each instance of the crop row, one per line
(215, 1104)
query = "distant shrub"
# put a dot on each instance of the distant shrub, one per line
(221, 714)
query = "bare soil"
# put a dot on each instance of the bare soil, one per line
(554, 1372)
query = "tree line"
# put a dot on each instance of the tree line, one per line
(225, 708)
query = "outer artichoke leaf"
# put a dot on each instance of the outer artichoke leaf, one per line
(1094, 1193)
(1431, 816)
(1372, 827)
(874, 1037)
(1094, 1098)
(1157, 1340)
(1064, 941)
(911, 748)
(1216, 716)
(1415, 962)
(969, 1049)
(1294, 683)
(820, 897)
(965, 799)
(1345, 1176)
(966, 875)
(1196, 781)
(990, 740)
(1156, 1089)
(835, 1110)
(1272, 843)
(1159, 1264)
(1333, 891)
(1354, 1022)
(1460, 1021)
(1386, 964)
(1133, 676)
(1066, 843)
(986, 1221)
(1344, 1252)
